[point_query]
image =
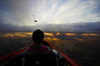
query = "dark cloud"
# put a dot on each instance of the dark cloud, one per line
(9, 27)
(75, 27)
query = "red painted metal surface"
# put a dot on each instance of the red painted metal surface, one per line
(7, 57)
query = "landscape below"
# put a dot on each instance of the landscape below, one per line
(82, 47)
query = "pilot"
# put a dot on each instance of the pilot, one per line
(37, 38)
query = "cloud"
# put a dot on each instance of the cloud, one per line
(17, 12)
(10, 27)
(70, 11)
(49, 12)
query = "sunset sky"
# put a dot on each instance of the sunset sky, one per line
(20, 12)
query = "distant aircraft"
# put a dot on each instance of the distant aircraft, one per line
(35, 19)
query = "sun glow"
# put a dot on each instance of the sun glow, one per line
(57, 33)
(49, 34)
(70, 34)
(50, 38)
(89, 34)
(8, 35)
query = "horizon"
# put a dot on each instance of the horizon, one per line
(64, 28)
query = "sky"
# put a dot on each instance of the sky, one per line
(20, 12)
